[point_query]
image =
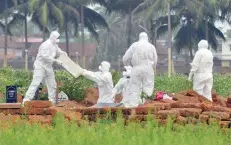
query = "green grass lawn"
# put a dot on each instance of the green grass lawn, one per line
(114, 133)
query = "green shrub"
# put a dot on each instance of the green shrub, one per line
(75, 88)
(173, 84)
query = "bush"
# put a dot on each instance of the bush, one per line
(75, 88)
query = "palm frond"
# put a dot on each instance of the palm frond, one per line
(35, 20)
(17, 19)
(58, 14)
(3, 28)
(91, 29)
(94, 18)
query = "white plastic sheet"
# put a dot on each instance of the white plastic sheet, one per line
(72, 67)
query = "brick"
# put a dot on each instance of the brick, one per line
(189, 112)
(40, 119)
(229, 100)
(88, 111)
(163, 114)
(50, 111)
(216, 108)
(203, 118)
(196, 95)
(228, 105)
(33, 111)
(145, 110)
(225, 124)
(19, 98)
(219, 100)
(181, 120)
(10, 111)
(185, 105)
(38, 104)
(218, 115)
(164, 106)
(206, 106)
(168, 101)
(186, 99)
(10, 105)
(91, 96)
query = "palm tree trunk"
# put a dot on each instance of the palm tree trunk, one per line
(169, 41)
(129, 26)
(6, 34)
(67, 38)
(106, 49)
(152, 32)
(25, 33)
(44, 33)
(206, 30)
(83, 43)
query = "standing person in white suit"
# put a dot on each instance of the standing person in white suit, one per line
(142, 57)
(202, 69)
(43, 69)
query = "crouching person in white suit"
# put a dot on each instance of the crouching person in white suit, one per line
(202, 68)
(103, 79)
(123, 87)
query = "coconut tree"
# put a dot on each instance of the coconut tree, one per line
(3, 6)
(124, 7)
(190, 29)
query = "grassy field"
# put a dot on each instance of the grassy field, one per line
(113, 133)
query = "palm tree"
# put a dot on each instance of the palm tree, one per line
(190, 29)
(48, 10)
(124, 7)
(5, 5)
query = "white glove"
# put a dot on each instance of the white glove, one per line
(190, 77)
(63, 52)
(58, 61)
(84, 71)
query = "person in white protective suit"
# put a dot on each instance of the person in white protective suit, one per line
(142, 57)
(103, 79)
(202, 68)
(123, 87)
(43, 69)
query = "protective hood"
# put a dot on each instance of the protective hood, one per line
(143, 36)
(203, 44)
(127, 71)
(105, 66)
(54, 37)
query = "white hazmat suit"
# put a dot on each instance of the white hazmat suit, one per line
(104, 82)
(43, 69)
(123, 87)
(202, 68)
(142, 57)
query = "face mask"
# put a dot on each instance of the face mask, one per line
(57, 40)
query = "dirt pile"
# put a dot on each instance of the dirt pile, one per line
(186, 107)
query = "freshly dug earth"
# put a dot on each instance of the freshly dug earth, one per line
(186, 107)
